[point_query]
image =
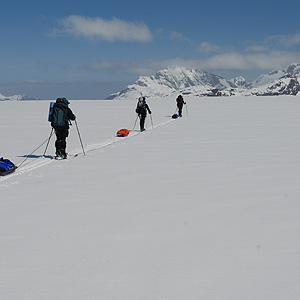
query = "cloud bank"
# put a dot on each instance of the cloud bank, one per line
(109, 30)
(231, 61)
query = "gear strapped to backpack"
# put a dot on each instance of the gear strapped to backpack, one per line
(59, 118)
(141, 106)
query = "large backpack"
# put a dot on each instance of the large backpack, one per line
(59, 117)
(141, 106)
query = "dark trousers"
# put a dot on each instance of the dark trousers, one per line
(142, 121)
(180, 109)
(60, 143)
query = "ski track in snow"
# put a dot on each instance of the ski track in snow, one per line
(45, 160)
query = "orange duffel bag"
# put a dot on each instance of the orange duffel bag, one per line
(123, 132)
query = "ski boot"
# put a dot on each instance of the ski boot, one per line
(64, 155)
(57, 154)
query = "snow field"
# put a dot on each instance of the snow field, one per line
(202, 207)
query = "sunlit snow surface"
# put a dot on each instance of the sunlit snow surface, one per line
(202, 207)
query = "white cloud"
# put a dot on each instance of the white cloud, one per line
(207, 47)
(230, 61)
(257, 48)
(274, 42)
(253, 61)
(286, 40)
(110, 30)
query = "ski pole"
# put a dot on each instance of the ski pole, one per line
(151, 121)
(135, 122)
(79, 138)
(48, 141)
(27, 156)
(187, 112)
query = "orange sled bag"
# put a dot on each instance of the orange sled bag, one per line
(123, 132)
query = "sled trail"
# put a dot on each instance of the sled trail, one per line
(35, 163)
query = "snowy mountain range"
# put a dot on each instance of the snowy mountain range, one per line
(196, 82)
(200, 83)
(21, 97)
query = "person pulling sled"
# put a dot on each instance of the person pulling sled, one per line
(180, 103)
(61, 117)
(141, 110)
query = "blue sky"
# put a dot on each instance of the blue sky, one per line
(88, 49)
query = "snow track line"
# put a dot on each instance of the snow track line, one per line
(93, 147)
(45, 160)
(42, 161)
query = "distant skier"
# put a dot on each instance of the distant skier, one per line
(180, 103)
(60, 122)
(141, 110)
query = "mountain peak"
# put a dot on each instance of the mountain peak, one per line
(21, 97)
(293, 69)
(170, 80)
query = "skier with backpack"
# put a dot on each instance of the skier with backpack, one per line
(180, 103)
(141, 110)
(60, 121)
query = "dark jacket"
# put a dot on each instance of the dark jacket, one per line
(180, 100)
(142, 110)
(71, 116)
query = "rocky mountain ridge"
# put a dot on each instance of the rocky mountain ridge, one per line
(200, 83)
(21, 97)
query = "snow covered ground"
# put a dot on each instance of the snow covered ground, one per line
(202, 207)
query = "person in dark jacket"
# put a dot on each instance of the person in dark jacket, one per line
(62, 132)
(180, 103)
(141, 110)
